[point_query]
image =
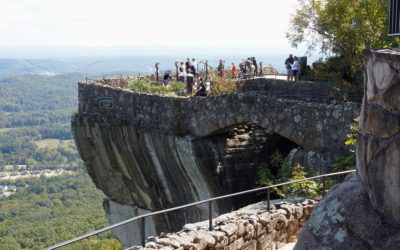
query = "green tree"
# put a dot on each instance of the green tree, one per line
(344, 27)
(1, 160)
(307, 188)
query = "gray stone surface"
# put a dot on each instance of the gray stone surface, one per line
(129, 234)
(153, 153)
(309, 124)
(345, 219)
(378, 148)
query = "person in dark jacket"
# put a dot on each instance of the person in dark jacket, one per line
(288, 63)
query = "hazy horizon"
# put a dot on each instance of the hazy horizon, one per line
(94, 60)
(82, 31)
(57, 52)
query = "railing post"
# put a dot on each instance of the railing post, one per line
(210, 215)
(142, 231)
(268, 199)
(323, 185)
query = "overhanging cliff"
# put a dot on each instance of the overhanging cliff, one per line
(149, 153)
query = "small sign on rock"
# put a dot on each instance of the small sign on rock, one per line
(105, 102)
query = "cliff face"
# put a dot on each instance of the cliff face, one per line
(149, 153)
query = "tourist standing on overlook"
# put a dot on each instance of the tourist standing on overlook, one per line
(252, 67)
(194, 63)
(182, 72)
(242, 67)
(288, 62)
(187, 64)
(249, 69)
(295, 68)
(189, 82)
(233, 70)
(221, 68)
(253, 59)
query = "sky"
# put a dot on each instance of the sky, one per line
(161, 24)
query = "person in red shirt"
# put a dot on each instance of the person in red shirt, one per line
(233, 70)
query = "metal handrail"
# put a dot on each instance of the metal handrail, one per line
(209, 201)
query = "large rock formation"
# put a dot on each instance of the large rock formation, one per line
(149, 153)
(364, 212)
(378, 148)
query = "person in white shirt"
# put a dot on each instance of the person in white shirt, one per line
(295, 68)
(194, 63)
(182, 72)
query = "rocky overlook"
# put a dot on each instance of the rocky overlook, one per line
(148, 152)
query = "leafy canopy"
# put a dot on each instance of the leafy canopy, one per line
(344, 27)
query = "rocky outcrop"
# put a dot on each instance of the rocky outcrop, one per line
(149, 153)
(308, 124)
(364, 212)
(378, 148)
(252, 228)
(318, 162)
(345, 219)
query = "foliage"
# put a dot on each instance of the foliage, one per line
(307, 188)
(51, 210)
(177, 86)
(284, 173)
(45, 211)
(349, 162)
(172, 88)
(222, 85)
(42, 108)
(34, 93)
(20, 146)
(344, 27)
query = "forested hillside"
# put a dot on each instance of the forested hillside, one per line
(34, 108)
(47, 211)
(35, 130)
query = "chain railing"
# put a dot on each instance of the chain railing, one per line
(141, 218)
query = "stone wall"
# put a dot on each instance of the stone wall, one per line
(300, 90)
(250, 228)
(308, 124)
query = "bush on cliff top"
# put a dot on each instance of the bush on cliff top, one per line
(170, 89)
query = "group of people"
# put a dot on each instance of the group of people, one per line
(187, 72)
(248, 68)
(293, 68)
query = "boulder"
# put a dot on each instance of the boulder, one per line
(345, 219)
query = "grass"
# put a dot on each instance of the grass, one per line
(52, 143)
(170, 89)
(4, 130)
(47, 143)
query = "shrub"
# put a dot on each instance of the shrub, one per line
(171, 89)
(222, 85)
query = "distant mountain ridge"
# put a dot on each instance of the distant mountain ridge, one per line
(111, 65)
(11, 67)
